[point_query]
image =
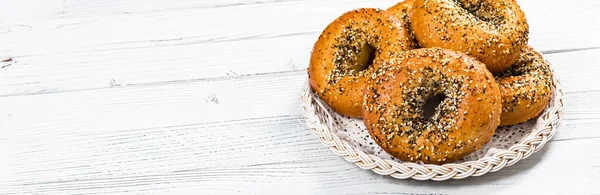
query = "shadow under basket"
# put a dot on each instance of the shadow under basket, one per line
(349, 138)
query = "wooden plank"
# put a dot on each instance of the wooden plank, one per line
(238, 135)
(41, 9)
(174, 27)
(579, 78)
(73, 71)
(327, 175)
(13, 10)
(87, 8)
(104, 50)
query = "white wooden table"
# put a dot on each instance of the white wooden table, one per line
(198, 96)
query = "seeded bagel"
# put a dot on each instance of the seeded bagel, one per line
(463, 122)
(492, 31)
(525, 87)
(342, 56)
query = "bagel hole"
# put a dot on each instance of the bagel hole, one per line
(366, 56)
(431, 105)
(481, 10)
(512, 71)
(470, 5)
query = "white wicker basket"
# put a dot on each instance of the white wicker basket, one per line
(348, 138)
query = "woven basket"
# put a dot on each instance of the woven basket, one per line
(508, 146)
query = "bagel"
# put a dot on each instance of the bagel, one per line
(463, 122)
(342, 56)
(525, 87)
(494, 32)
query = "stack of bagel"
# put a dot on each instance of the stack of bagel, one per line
(384, 65)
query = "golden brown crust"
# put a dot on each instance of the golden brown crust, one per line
(525, 87)
(402, 11)
(340, 57)
(463, 122)
(494, 32)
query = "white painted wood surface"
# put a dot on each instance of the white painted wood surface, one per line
(187, 97)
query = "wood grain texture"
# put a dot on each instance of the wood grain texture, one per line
(105, 50)
(188, 97)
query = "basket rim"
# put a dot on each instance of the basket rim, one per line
(528, 145)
